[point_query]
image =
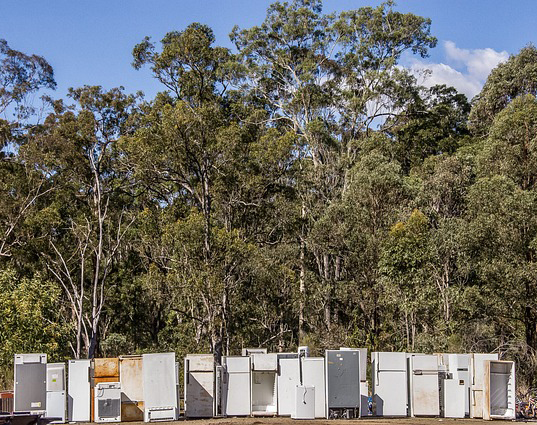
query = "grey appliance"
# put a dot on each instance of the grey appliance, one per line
(343, 383)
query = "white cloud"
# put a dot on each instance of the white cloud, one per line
(467, 69)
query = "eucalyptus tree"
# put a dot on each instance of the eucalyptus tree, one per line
(86, 222)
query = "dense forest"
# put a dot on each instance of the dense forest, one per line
(301, 188)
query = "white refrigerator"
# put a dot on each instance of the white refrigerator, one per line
(199, 386)
(424, 385)
(236, 386)
(78, 390)
(459, 369)
(389, 383)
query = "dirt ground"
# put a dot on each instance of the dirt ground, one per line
(363, 421)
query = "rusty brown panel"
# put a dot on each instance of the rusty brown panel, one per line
(105, 367)
(132, 411)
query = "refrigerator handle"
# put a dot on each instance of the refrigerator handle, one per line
(187, 371)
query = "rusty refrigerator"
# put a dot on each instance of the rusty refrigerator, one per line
(132, 389)
(477, 382)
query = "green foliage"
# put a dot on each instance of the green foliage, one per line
(31, 320)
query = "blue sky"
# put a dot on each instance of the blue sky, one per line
(90, 41)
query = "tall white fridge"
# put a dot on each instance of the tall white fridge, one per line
(160, 387)
(236, 386)
(389, 383)
(459, 369)
(78, 390)
(199, 386)
(424, 385)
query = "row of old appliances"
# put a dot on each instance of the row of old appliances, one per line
(146, 387)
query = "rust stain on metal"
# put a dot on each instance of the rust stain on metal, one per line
(105, 367)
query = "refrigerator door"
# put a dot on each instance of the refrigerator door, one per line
(313, 375)
(236, 392)
(477, 376)
(288, 379)
(389, 383)
(454, 398)
(56, 377)
(159, 387)
(425, 395)
(78, 389)
(132, 388)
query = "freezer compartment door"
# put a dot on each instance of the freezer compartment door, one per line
(390, 361)
(265, 362)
